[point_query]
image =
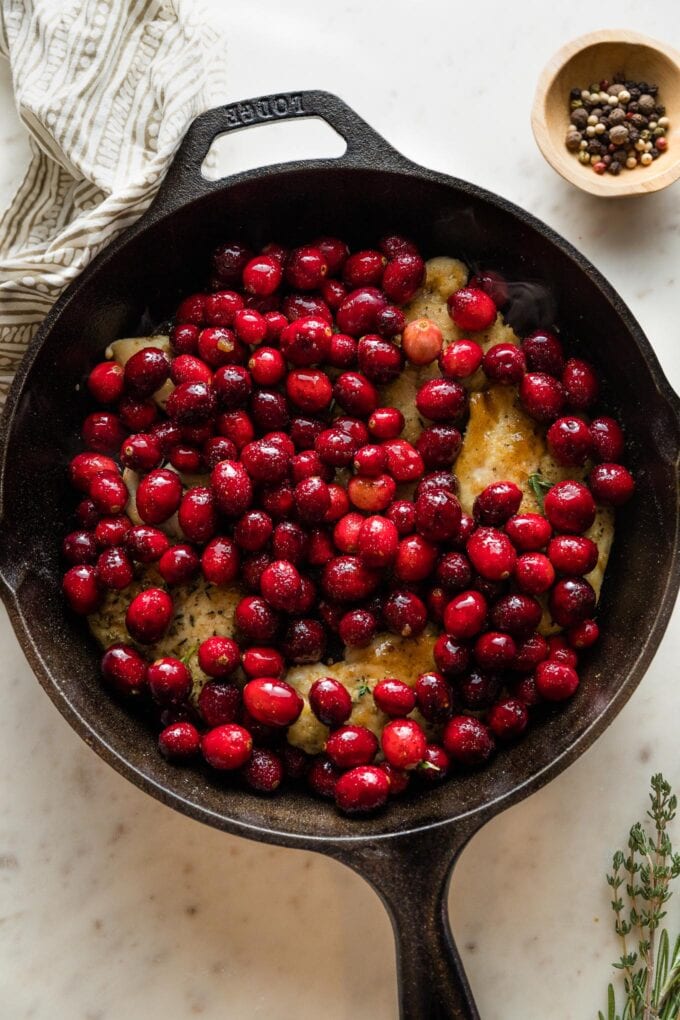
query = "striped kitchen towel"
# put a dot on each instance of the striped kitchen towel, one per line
(107, 89)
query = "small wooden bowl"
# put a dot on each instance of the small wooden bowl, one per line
(591, 58)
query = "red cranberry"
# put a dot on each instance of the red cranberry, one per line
(394, 697)
(80, 547)
(355, 394)
(112, 530)
(402, 513)
(304, 641)
(196, 514)
(541, 396)
(422, 341)
(232, 488)
(105, 382)
(124, 669)
(569, 441)
(158, 496)
(349, 746)
(179, 565)
(403, 276)
(187, 368)
(250, 326)
(380, 360)
(306, 268)
(259, 662)
(169, 681)
(186, 459)
(584, 634)
(607, 439)
(580, 383)
(437, 515)
(334, 252)
(253, 530)
(517, 614)
(272, 701)
(109, 492)
(145, 544)
(364, 269)
(461, 359)
(434, 697)
(184, 338)
(269, 410)
(371, 494)
(377, 541)
(265, 461)
(86, 513)
(137, 415)
(504, 363)
(229, 261)
(526, 691)
(330, 701)
(441, 400)
(278, 500)
(572, 600)
(491, 553)
(149, 615)
(280, 584)
(362, 790)
(404, 462)
(439, 445)
(335, 447)
(103, 432)
(468, 740)
(289, 542)
(220, 561)
(561, 651)
(465, 614)
(267, 366)
(405, 613)
(323, 777)
(390, 321)
(227, 747)
(237, 427)
(508, 719)
(528, 532)
(255, 619)
(534, 573)
(415, 559)
(357, 313)
(472, 309)
(309, 389)
(220, 308)
(394, 244)
(262, 275)
(386, 423)
(146, 371)
(403, 743)
(497, 503)
(264, 772)
(114, 569)
(298, 306)
(543, 352)
(556, 681)
(312, 499)
(232, 385)
(370, 461)
(453, 571)
(306, 464)
(166, 434)
(435, 481)
(435, 765)
(530, 652)
(179, 741)
(306, 341)
(451, 657)
(191, 403)
(494, 650)
(612, 484)
(573, 554)
(81, 589)
(86, 466)
(321, 549)
(399, 780)
(478, 689)
(295, 762)
(141, 452)
(346, 532)
(569, 506)
(218, 657)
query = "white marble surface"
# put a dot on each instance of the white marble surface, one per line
(113, 906)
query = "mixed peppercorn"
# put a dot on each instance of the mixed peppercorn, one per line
(616, 125)
(335, 526)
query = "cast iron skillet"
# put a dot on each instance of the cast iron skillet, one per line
(407, 852)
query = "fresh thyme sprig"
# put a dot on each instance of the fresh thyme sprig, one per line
(540, 486)
(651, 972)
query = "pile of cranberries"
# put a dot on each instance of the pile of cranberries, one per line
(335, 525)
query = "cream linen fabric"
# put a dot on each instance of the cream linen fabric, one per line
(107, 89)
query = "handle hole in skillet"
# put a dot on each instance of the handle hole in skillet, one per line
(266, 144)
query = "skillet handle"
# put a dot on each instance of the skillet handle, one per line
(184, 180)
(411, 874)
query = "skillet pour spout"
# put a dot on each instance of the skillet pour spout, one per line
(407, 852)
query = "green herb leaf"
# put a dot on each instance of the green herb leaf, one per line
(362, 690)
(540, 486)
